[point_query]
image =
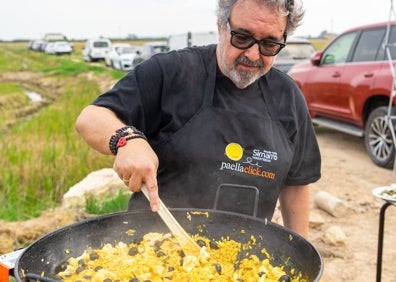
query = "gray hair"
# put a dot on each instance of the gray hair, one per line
(289, 8)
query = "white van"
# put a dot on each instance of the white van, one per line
(96, 49)
(188, 39)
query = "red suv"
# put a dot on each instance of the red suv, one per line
(348, 85)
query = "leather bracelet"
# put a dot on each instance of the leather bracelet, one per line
(122, 135)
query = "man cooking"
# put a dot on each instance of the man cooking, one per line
(215, 126)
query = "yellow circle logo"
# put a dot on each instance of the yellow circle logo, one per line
(234, 151)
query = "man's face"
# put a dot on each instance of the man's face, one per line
(244, 67)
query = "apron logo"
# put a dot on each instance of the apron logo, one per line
(234, 151)
(252, 165)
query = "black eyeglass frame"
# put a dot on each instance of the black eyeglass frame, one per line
(254, 41)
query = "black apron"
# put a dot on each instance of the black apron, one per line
(226, 160)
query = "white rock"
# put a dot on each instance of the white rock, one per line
(330, 204)
(103, 182)
(335, 236)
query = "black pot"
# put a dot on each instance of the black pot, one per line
(44, 257)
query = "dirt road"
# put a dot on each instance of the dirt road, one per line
(349, 174)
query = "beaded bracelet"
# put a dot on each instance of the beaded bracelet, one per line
(122, 135)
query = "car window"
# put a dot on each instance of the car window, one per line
(392, 45)
(369, 44)
(339, 50)
(160, 49)
(100, 44)
(127, 50)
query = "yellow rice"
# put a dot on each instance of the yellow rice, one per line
(158, 257)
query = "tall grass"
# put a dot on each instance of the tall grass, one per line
(42, 156)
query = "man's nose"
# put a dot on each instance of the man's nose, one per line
(253, 53)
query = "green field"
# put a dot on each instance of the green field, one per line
(42, 156)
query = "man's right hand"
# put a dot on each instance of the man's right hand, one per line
(136, 163)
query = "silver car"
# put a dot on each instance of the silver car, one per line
(149, 49)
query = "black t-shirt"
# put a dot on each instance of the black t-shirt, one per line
(162, 94)
(249, 99)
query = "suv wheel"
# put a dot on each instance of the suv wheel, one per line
(378, 138)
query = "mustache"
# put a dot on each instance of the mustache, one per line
(245, 60)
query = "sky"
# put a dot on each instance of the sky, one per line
(81, 19)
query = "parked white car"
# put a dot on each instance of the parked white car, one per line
(121, 56)
(112, 52)
(96, 49)
(59, 48)
(49, 48)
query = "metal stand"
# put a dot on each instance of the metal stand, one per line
(390, 119)
(381, 239)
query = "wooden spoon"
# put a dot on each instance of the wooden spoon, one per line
(186, 242)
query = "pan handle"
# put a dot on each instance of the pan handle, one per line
(35, 277)
(224, 189)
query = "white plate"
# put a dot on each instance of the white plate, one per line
(380, 192)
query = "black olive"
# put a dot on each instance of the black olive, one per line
(261, 273)
(133, 251)
(93, 256)
(61, 267)
(285, 278)
(98, 268)
(80, 269)
(157, 245)
(217, 266)
(87, 277)
(107, 280)
(213, 245)
(81, 262)
(201, 243)
(181, 253)
(134, 280)
(171, 268)
(160, 254)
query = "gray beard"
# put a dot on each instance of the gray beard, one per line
(243, 79)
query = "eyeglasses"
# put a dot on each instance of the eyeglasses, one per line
(244, 41)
